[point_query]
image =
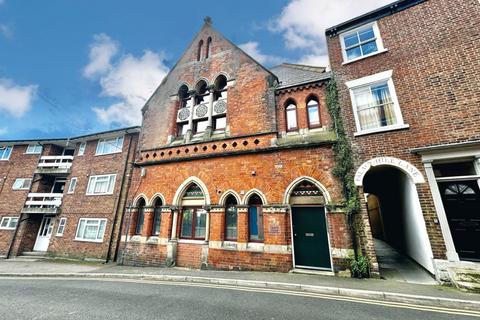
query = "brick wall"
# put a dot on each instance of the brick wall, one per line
(433, 52)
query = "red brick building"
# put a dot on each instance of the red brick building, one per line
(65, 197)
(407, 76)
(235, 167)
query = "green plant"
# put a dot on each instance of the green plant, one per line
(359, 267)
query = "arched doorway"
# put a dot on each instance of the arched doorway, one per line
(193, 217)
(311, 245)
(396, 220)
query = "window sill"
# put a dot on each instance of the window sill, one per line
(99, 194)
(382, 129)
(364, 57)
(191, 241)
(85, 240)
(9, 229)
(106, 154)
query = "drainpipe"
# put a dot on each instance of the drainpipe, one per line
(21, 218)
(117, 205)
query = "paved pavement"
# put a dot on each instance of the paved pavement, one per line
(398, 267)
(382, 289)
(27, 298)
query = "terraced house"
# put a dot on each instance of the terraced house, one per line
(234, 169)
(408, 76)
(65, 197)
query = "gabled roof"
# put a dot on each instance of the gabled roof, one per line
(64, 141)
(290, 75)
(376, 14)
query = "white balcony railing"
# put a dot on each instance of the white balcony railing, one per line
(44, 200)
(55, 162)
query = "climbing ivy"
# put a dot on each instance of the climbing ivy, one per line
(343, 153)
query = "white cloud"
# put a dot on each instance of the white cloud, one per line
(16, 99)
(252, 48)
(303, 23)
(129, 79)
(6, 31)
(102, 50)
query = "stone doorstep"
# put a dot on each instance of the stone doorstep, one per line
(355, 293)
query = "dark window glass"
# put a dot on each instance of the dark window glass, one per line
(255, 218)
(454, 169)
(140, 218)
(157, 219)
(231, 218)
(200, 223)
(194, 221)
(187, 223)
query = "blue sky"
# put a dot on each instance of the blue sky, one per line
(67, 67)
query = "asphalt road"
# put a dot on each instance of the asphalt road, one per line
(28, 298)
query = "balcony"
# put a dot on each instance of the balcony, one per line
(54, 165)
(43, 203)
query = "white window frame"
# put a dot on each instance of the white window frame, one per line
(92, 222)
(22, 181)
(110, 188)
(101, 143)
(385, 76)
(72, 185)
(81, 148)
(61, 224)
(8, 222)
(2, 158)
(378, 40)
(34, 149)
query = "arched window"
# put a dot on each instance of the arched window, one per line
(291, 116)
(157, 216)
(200, 125)
(255, 218)
(183, 96)
(220, 121)
(199, 52)
(209, 47)
(193, 217)
(313, 113)
(140, 216)
(231, 218)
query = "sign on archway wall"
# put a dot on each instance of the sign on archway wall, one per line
(403, 165)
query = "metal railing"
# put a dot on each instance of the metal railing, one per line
(55, 162)
(44, 200)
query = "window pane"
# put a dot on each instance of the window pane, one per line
(291, 118)
(81, 149)
(454, 169)
(157, 220)
(313, 116)
(13, 223)
(255, 223)
(140, 219)
(220, 123)
(231, 223)
(186, 227)
(201, 126)
(353, 53)
(111, 183)
(5, 222)
(351, 40)
(18, 184)
(91, 184)
(101, 230)
(5, 152)
(369, 47)
(367, 34)
(200, 223)
(81, 228)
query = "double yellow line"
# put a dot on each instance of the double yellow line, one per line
(391, 304)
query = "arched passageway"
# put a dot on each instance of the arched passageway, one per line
(397, 224)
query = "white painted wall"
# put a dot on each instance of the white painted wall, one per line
(417, 244)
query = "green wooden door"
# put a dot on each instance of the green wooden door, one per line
(310, 237)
